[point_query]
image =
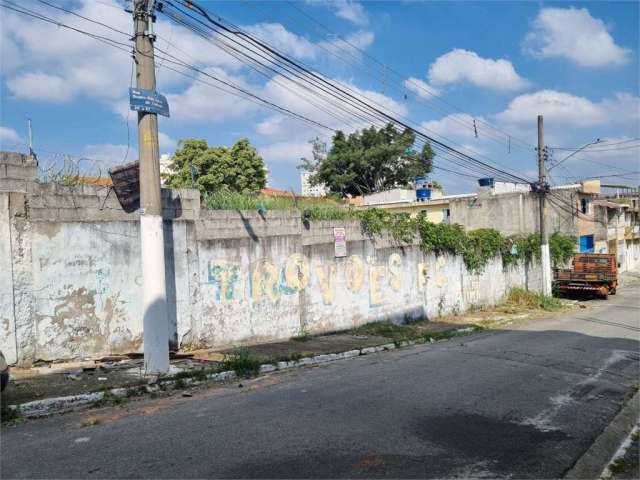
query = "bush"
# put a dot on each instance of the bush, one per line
(524, 299)
(477, 247)
(561, 248)
(241, 362)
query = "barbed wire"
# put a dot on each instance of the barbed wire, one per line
(67, 168)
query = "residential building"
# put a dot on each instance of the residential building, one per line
(308, 190)
(617, 230)
(402, 200)
(514, 208)
(165, 166)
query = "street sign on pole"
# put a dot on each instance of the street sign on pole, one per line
(148, 101)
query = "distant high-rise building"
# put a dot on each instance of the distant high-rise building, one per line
(165, 166)
(308, 190)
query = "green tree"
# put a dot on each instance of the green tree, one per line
(212, 169)
(372, 160)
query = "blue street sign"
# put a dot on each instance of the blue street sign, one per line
(148, 101)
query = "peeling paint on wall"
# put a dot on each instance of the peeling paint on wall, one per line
(76, 285)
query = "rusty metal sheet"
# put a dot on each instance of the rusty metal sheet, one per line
(126, 184)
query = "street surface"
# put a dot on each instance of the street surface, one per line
(525, 401)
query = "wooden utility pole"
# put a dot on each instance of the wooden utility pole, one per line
(154, 295)
(542, 191)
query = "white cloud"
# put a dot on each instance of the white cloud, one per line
(344, 49)
(350, 10)
(463, 66)
(166, 143)
(100, 157)
(201, 102)
(279, 37)
(623, 108)
(570, 109)
(574, 34)
(276, 126)
(40, 86)
(456, 125)
(289, 152)
(298, 46)
(286, 93)
(74, 64)
(420, 87)
(8, 136)
(45, 62)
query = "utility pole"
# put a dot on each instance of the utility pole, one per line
(154, 295)
(542, 191)
(30, 136)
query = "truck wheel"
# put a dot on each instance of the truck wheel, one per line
(612, 291)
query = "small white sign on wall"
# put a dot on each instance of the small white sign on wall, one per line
(340, 241)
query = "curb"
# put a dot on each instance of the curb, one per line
(595, 460)
(50, 406)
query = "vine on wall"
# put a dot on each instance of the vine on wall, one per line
(477, 247)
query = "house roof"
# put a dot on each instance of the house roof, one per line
(608, 204)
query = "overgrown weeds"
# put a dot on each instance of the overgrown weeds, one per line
(385, 329)
(241, 362)
(477, 247)
(10, 415)
(521, 299)
(311, 208)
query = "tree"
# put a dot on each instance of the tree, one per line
(211, 169)
(318, 154)
(372, 160)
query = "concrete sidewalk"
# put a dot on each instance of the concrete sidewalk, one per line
(69, 383)
(523, 401)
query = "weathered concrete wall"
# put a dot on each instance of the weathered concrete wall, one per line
(513, 213)
(70, 285)
(255, 284)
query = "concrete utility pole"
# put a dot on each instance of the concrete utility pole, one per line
(542, 191)
(30, 136)
(154, 295)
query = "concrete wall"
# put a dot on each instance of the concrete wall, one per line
(513, 213)
(70, 283)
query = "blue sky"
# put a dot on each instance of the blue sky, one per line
(498, 63)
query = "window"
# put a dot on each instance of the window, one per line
(584, 206)
(586, 244)
(446, 215)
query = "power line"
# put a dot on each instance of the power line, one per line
(507, 137)
(603, 143)
(337, 91)
(110, 27)
(106, 40)
(120, 45)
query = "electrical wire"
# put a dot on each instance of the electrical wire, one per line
(331, 88)
(126, 48)
(507, 136)
(602, 143)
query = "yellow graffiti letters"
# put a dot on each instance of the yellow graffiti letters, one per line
(327, 280)
(296, 272)
(441, 276)
(395, 274)
(354, 273)
(423, 274)
(264, 281)
(376, 295)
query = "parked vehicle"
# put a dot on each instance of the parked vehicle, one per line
(4, 372)
(594, 273)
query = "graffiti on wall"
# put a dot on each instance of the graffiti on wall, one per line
(266, 281)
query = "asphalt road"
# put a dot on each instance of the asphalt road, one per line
(526, 401)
